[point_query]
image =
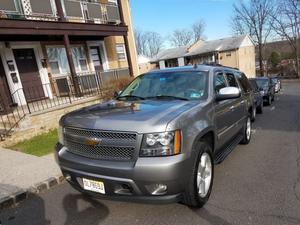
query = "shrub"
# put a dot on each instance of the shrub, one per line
(115, 86)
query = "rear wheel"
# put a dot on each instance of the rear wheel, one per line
(247, 132)
(199, 188)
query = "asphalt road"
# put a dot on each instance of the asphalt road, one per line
(256, 184)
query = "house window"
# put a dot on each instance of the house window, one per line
(228, 54)
(58, 60)
(113, 2)
(121, 52)
(79, 59)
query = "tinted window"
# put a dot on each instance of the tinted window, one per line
(220, 82)
(253, 84)
(231, 80)
(245, 85)
(262, 83)
(190, 85)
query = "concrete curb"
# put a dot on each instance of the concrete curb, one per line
(21, 195)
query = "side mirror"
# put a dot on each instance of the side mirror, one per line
(228, 93)
(116, 94)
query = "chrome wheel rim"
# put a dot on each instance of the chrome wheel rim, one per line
(204, 175)
(248, 129)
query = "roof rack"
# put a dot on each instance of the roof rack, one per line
(220, 65)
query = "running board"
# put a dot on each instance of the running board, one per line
(225, 152)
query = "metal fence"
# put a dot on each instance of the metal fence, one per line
(59, 92)
(74, 11)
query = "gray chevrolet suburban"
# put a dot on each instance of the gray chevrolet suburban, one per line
(157, 141)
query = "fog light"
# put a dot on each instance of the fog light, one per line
(157, 189)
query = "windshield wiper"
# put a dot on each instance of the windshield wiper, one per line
(168, 97)
(130, 96)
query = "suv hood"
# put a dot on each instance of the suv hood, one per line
(141, 117)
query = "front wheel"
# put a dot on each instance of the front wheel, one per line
(201, 181)
(247, 132)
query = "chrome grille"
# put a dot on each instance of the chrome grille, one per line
(111, 146)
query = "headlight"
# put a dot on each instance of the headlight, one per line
(61, 134)
(161, 144)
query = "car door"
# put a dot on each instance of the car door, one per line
(223, 112)
(238, 105)
(246, 99)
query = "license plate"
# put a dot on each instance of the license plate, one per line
(92, 185)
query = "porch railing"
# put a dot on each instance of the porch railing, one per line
(59, 92)
(74, 11)
(10, 118)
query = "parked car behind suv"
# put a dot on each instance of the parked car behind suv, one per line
(267, 89)
(257, 97)
(276, 81)
(159, 139)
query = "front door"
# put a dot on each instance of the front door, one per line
(5, 96)
(223, 113)
(96, 58)
(29, 74)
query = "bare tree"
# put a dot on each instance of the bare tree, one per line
(198, 30)
(287, 25)
(254, 17)
(181, 37)
(154, 43)
(148, 43)
(140, 42)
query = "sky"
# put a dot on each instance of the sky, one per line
(164, 16)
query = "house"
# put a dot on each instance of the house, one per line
(54, 48)
(144, 64)
(57, 56)
(237, 52)
(172, 57)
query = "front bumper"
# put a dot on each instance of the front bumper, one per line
(128, 181)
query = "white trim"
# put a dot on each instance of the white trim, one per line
(162, 64)
(36, 46)
(103, 54)
(124, 51)
(7, 54)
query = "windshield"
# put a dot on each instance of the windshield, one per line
(262, 83)
(177, 85)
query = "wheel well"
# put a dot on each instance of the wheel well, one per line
(209, 137)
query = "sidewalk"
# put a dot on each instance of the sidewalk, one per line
(22, 174)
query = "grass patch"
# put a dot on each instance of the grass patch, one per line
(39, 145)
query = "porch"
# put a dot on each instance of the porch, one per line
(93, 86)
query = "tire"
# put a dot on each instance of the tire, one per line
(192, 196)
(269, 102)
(253, 114)
(247, 131)
(260, 108)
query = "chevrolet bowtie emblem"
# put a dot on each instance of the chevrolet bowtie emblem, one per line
(93, 141)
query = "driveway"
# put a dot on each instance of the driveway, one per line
(256, 184)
